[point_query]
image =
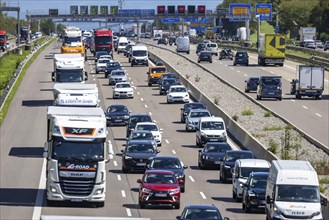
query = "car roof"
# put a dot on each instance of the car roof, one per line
(253, 163)
(178, 86)
(139, 115)
(159, 171)
(199, 110)
(166, 157)
(218, 143)
(141, 131)
(211, 119)
(114, 105)
(201, 206)
(146, 123)
(239, 151)
(193, 103)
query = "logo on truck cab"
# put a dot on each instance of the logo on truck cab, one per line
(79, 131)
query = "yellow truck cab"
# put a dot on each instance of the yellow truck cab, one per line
(154, 74)
(72, 42)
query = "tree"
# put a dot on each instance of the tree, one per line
(47, 26)
(320, 19)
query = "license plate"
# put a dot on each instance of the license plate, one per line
(217, 162)
(141, 164)
(212, 139)
(118, 120)
(76, 200)
(160, 194)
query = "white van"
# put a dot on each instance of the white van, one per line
(183, 44)
(213, 48)
(210, 129)
(242, 169)
(292, 191)
(123, 42)
(139, 55)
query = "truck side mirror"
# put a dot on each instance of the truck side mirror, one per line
(269, 200)
(86, 76)
(324, 202)
(53, 76)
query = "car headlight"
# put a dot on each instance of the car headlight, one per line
(251, 193)
(224, 134)
(128, 157)
(145, 190)
(203, 134)
(276, 210)
(173, 191)
(126, 116)
(227, 167)
(205, 157)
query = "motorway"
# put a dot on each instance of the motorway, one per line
(23, 133)
(309, 115)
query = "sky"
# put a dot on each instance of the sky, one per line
(42, 6)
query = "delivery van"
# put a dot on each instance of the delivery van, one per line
(269, 87)
(183, 44)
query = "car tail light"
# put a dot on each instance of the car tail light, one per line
(209, 57)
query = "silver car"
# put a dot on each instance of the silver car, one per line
(117, 76)
(193, 117)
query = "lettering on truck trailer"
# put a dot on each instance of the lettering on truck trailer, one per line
(75, 101)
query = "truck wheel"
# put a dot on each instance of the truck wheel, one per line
(188, 52)
(280, 99)
(281, 64)
(149, 84)
(132, 64)
(298, 96)
(52, 203)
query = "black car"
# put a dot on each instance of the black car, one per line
(134, 119)
(205, 56)
(100, 53)
(168, 75)
(251, 84)
(226, 54)
(172, 40)
(229, 160)
(212, 154)
(137, 155)
(159, 63)
(241, 58)
(201, 212)
(253, 194)
(200, 47)
(165, 84)
(143, 135)
(117, 115)
(170, 163)
(112, 66)
(163, 41)
(187, 107)
(326, 46)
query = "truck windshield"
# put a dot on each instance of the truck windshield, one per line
(78, 150)
(103, 40)
(70, 75)
(297, 193)
(245, 171)
(69, 40)
(139, 53)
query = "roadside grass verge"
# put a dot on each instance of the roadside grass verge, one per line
(11, 95)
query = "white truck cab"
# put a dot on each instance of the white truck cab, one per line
(242, 169)
(76, 94)
(139, 55)
(76, 154)
(69, 68)
(292, 191)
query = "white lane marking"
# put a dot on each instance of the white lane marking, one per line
(220, 63)
(150, 113)
(94, 79)
(305, 107)
(119, 177)
(173, 151)
(111, 150)
(132, 83)
(39, 199)
(232, 68)
(318, 114)
(128, 212)
(293, 100)
(167, 141)
(129, 78)
(263, 69)
(145, 106)
(123, 193)
(154, 121)
(142, 99)
(115, 163)
(191, 178)
(326, 81)
(290, 67)
(182, 163)
(225, 65)
(272, 72)
(137, 93)
(203, 195)
(238, 71)
(245, 74)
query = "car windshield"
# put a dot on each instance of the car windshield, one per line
(212, 45)
(118, 108)
(196, 213)
(136, 119)
(160, 178)
(140, 148)
(104, 61)
(254, 80)
(148, 127)
(158, 70)
(216, 148)
(139, 53)
(122, 85)
(169, 82)
(100, 53)
(117, 73)
(170, 163)
(178, 89)
(141, 136)
(113, 64)
(212, 125)
(245, 171)
(194, 106)
(258, 182)
(201, 45)
(231, 157)
(271, 81)
(199, 114)
(122, 44)
(297, 193)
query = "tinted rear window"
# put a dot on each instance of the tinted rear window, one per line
(271, 81)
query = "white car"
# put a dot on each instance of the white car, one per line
(153, 127)
(192, 119)
(106, 57)
(178, 93)
(101, 64)
(213, 48)
(123, 90)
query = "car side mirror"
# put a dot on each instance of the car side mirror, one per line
(161, 129)
(269, 200)
(139, 181)
(178, 217)
(113, 87)
(185, 167)
(53, 76)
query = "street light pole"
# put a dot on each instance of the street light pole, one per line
(258, 29)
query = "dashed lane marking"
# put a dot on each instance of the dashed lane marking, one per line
(123, 193)
(203, 195)
(173, 151)
(293, 100)
(305, 107)
(150, 113)
(128, 212)
(142, 99)
(318, 115)
(167, 141)
(245, 74)
(115, 163)
(137, 93)
(119, 177)
(146, 106)
(238, 71)
(191, 178)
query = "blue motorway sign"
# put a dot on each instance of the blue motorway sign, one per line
(264, 11)
(137, 12)
(198, 20)
(170, 20)
(239, 12)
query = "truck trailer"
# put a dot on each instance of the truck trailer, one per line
(309, 82)
(76, 155)
(271, 49)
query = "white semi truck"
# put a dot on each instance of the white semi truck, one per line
(69, 68)
(76, 94)
(76, 155)
(309, 82)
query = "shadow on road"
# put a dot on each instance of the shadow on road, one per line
(35, 152)
(17, 196)
(37, 103)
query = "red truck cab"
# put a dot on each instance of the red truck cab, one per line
(103, 40)
(3, 40)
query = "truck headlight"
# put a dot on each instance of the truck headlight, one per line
(99, 191)
(276, 210)
(53, 189)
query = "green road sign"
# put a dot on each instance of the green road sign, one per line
(94, 10)
(74, 9)
(104, 10)
(114, 10)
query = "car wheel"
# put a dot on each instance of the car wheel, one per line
(233, 195)
(182, 189)
(132, 64)
(247, 208)
(124, 170)
(224, 180)
(188, 52)
(246, 90)
(141, 204)
(243, 206)
(280, 99)
(149, 84)
(177, 206)
(210, 61)
(198, 61)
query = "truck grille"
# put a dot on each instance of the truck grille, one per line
(77, 186)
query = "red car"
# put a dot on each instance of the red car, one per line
(159, 187)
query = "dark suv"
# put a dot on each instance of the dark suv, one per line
(200, 47)
(241, 58)
(251, 84)
(229, 160)
(253, 194)
(269, 87)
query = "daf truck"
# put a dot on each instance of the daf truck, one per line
(72, 42)
(271, 49)
(76, 155)
(76, 94)
(309, 82)
(292, 191)
(3, 40)
(69, 68)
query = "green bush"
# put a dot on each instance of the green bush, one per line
(272, 128)
(247, 112)
(267, 114)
